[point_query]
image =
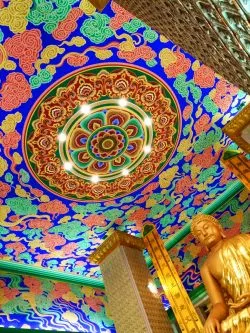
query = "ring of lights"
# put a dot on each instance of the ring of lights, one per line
(81, 144)
(104, 144)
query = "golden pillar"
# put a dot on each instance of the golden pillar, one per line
(131, 305)
(239, 165)
(179, 300)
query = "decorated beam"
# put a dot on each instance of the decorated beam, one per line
(174, 290)
(46, 273)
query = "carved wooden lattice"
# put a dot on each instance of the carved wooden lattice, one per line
(213, 31)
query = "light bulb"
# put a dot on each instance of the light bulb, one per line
(62, 137)
(152, 287)
(147, 149)
(95, 179)
(122, 102)
(67, 166)
(85, 108)
(125, 172)
(148, 121)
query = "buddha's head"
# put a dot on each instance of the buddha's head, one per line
(207, 230)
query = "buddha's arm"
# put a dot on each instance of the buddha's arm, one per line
(219, 309)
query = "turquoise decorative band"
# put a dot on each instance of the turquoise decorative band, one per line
(24, 269)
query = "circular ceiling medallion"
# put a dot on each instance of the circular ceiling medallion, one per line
(114, 127)
(105, 141)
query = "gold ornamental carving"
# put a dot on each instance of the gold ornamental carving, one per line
(175, 292)
(237, 163)
(118, 238)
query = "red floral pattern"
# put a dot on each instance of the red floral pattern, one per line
(187, 112)
(224, 94)
(115, 146)
(40, 224)
(36, 192)
(139, 215)
(176, 209)
(95, 220)
(198, 200)
(150, 188)
(17, 247)
(227, 174)
(10, 293)
(25, 47)
(119, 221)
(52, 241)
(206, 159)
(121, 16)
(33, 284)
(15, 91)
(53, 207)
(11, 140)
(94, 303)
(204, 77)
(4, 189)
(202, 124)
(69, 248)
(142, 199)
(68, 25)
(60, 290)
(77, 60)
(184, 185)
(142, 52)
(181, 65)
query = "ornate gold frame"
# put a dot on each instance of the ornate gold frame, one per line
(235, 127)
(117, 238)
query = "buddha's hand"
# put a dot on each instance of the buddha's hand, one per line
(243, 301)
(212, 325)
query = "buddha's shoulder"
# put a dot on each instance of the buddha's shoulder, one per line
(239, 237)
(238, 240)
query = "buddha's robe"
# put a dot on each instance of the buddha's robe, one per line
(235, 256)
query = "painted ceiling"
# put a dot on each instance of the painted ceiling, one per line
(29, 302)
(104, 125)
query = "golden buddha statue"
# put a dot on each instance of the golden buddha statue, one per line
(226, 276)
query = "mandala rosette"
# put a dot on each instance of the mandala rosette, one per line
(106, 139)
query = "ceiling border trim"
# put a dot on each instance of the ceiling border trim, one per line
(45, 273)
